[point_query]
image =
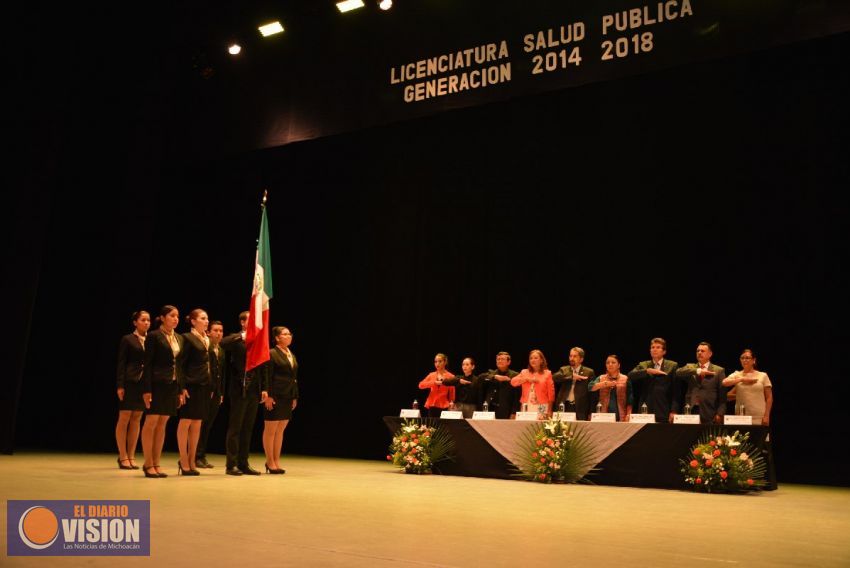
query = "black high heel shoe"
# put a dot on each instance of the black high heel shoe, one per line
(122, 466)
(181, 471)
(274, 471)
(159, 473)
(132, 465)
(147, 473)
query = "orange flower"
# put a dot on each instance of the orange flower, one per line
(724, 475)
(694, 463)
(716, 453)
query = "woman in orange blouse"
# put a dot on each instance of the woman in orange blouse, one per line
(441, 397)
(538, 389)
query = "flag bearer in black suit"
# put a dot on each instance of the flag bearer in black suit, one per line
(244, 393)
(216, 332)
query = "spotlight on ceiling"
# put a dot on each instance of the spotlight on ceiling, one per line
(349, 5)
(270, 29)
(234, 49)
(385, 4)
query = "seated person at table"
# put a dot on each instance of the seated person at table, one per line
(496, 389)
(705, 386)
(466, 388)
(656, 384)
(441, 396)
(538, 390)
(752, 389)
(573, 380)
(615, 389)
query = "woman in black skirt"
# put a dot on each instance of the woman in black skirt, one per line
(195, 385)
(131, 356)
(163, 347)
(280, 396)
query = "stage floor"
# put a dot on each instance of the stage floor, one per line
(333, 512)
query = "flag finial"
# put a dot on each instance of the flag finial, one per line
(265, 196)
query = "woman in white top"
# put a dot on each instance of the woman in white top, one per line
(752, 388)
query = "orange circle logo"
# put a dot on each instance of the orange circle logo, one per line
(38, 527)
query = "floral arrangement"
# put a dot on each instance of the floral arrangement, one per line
(555, 452)
(719, 463)
(417, 446)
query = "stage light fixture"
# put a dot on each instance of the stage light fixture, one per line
(385, 4)
(349, 5)
(270, 29)
(234, 49)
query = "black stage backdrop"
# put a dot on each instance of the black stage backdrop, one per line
(703, 202)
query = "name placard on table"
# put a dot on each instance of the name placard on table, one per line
(451, 415)
(565, 416)
(686, 419)
(409, 413)
(527, 415)
(736, 420)
(603, 417)
(642, 418)
(479, 415)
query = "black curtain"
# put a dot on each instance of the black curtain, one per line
(699, 203)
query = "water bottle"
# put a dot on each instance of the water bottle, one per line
(687, 409)
(598, 408)
(741, 410)
(485, 407)
(561, 407)
(415, 405)
(644, 409)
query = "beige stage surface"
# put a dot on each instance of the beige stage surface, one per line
(333, 512)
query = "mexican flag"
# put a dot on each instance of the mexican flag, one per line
(257, 333)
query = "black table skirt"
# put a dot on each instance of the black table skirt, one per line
(650, 458)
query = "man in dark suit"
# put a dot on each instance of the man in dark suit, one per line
(244, 394)
(656, 384)
(573, 381)
(705, 388)
(215, 333)
(497, 392)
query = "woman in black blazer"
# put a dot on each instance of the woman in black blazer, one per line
(279, 396)
(195, 385)
(163, 347)
(131, 356)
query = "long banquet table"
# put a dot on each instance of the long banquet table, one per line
(633, 455)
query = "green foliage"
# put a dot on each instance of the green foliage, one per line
(555, 452)
(720, 463)
(417, 446)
